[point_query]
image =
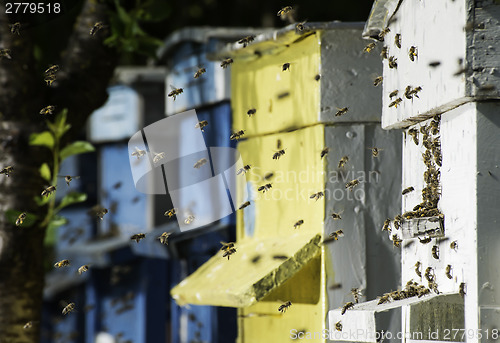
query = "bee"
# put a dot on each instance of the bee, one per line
(425, 240)
(387, 223)
(245, 41)
(237, 135)
(100, 211)
(226, 246)
(298, 224)
(413, 53)
(397, 40)
(383, 53)
(284, 10)
(417, 269)
(200, 163)
(429, 274)
(324, 152)
(201, 125)
(343, 161)
(189, 219)
(7, 170)
(338, 326)
(137, 237)
(375, 151)
(48, 191)
(28, 325)
(407, 190)
(384, 298)
(158, 157)
(337, 234)
(414, 134)
(47, 110)
(393, 94)
(284, 306)
(369, 47)
(393, 64)
(138, 153)
(225, 63)
(243, 170)
(434, 64)
(69, 178)
(356, 293)
(346, 307)
(454, 245)
(245, 204)
(15, 28)
(378, 80)
(433, 285)
(317, 77)
(268, 176)
(251, 112)
(341, 111)
(285, 66)
(164, 237)
(448, 271)
(461, 289)
(396, 102)
(229, 252)
(62, 263)
(396, 241)
(175, 92)
(5, 53)
(300, 26)
(435, 252)
(408, 93)
(278, 154)
(382, 33)
(265, 188)
(317, 196)
(69, 308)
(415, 91)
(335, 215)
(351, 184)
(49, 79)
(52, 69)
(398, 220)
(83, 269)
(20, 219)
(96, 28)
(199, 72)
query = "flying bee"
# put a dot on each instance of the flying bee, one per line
(69, 178)
(52, 69)
(429, 274)
(251, 112)
(417, 269)
(396, 241)
(229, 252)
(356, 293)
(200, 163)
(20, 219)
(341, 111)
(408, 93)
(425, 240)
(387, 223)
(324, 152)
(396, 102)
(189, 219)
(226, 246)
(62, 263)
(398, 220)
(98, 211)
(414, 134)
(96, 28)
(351, 184)
(175, 92)
(382, 33)
(285, 66)
(338, 326)
(317, 196)
(298, 224)
(337, 234)
(199, 72)
(201, 125)
(245, 204)
(415, 91)
(413, 53)
(245, 41)
(5, 53)
(435, 252)
(83, 269)
(49, 79)
(48, 191)
(137, 237)
(378, 80)
(28, 325)
(265, 188)
(300, 27)
(433, 285)
(369, 47)
(69, 308)
(268, 176)
(448, 271)
(343, 161)
(284, 11)
(7, 170)
(454, 245)
(383, 53)
(225, 63)
(393, 64)
(170, 213)
(393, 94)
(346, 307)
(47, 110)
(138, 153)
(335, 215)
(397, 40)
(384, 298)
(278, 154)
(375, 151)
(243, 170)
(15, 28)
(237, 135)
(284, 306)
(164, 237)
(158, 157)
(461, 289)
(407, 190)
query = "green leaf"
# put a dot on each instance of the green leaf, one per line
(45, 172)
(60, 127)
(41, 201)
(44, 138)
(51, 234)
(12, 216)
(122, 14)
(75, 148)
(71, 198)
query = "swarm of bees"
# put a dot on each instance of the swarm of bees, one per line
(175, 92)
(412, 289)
(137, 237)
(62, 263)
(164, 237)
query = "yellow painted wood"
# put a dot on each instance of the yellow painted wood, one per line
(260, 83)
